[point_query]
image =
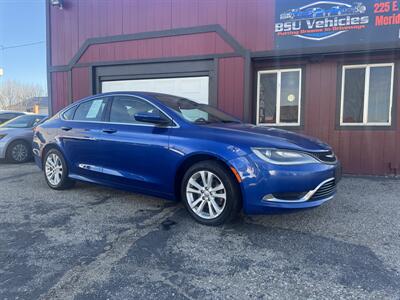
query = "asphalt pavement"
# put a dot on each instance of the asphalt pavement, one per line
(92, 242)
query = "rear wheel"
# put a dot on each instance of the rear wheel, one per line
(18, 152)
(56, 170)
(210, 193)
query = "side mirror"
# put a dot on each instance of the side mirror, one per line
(147, 117)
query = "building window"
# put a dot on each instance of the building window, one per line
(279, 97)
(367, 92)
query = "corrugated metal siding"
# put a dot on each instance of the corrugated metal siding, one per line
(81, 20)
(230, 85)
(59, 87)
(185, 45)
(80, 83)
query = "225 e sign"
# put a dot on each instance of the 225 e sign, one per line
(385, 7)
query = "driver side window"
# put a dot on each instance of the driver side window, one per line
(124, 108)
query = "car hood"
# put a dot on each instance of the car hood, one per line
(263, 136)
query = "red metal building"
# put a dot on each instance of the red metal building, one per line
(324, 68)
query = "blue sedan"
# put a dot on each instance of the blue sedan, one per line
(177, 149)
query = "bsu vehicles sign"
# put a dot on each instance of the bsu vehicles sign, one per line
(322, 20)
(305, 24)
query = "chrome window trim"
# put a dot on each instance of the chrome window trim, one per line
(176, 125)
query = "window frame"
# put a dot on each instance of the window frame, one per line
(278, 96)
(107, 109)
(366, 94)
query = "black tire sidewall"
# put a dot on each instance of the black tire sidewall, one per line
(10, 148)
(233, 198)
(65, 181)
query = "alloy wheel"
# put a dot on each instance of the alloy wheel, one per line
(206, 195)
(54, 169)
(19, 153)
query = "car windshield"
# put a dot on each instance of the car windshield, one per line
(195, 112)
(23, 122)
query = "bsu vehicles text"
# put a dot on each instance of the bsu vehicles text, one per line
(177, 149)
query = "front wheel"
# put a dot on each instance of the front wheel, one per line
(210, 193)
(56, 170)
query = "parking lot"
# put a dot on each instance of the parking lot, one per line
(98, 243)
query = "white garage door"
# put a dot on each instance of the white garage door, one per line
(194, 88)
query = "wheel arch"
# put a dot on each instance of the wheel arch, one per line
(196, 158)
(48, 147)
(18, 139)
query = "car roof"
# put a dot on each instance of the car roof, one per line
(33, 115)
(12, 112)
(152, 95)
(132, 93)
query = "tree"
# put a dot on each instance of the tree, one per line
(17, 94)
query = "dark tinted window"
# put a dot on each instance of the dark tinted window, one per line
(267, 104)
(380, 88)
(290, 96)
(9, 116)
(123, 109)
(69, 114)
(90, 110)
(353, 98)
(23, 122)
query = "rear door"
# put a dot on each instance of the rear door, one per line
(80, 137)
(136, 153)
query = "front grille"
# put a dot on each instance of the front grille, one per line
(325, 156)
(325, 190)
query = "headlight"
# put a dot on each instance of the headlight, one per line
(2, 135)
(284, 157)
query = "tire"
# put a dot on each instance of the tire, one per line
(55, 170)
(19, 152)
(199, 198)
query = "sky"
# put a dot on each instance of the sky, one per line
(22, 22)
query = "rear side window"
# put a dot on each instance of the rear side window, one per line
(22, 122)
(90, 110)
(69, 114)
(8, 116)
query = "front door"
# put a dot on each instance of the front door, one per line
(136, 153)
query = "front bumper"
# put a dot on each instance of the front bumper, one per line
(270, 188)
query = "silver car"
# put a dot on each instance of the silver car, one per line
(6, 115)
(16, 138)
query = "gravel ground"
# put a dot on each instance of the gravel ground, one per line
(92, 242)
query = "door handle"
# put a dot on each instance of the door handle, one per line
(109, 131)
(65, 128)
